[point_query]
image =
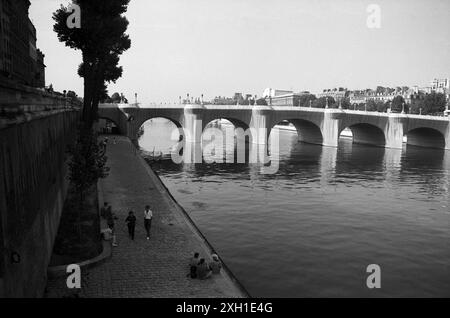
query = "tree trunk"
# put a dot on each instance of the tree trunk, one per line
(96, 98)
(88, 91)
(80, 210)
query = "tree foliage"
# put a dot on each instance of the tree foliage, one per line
(322, 102)
(433, 103)
(397, 104)
(261, 102)
(102, 40)
(116, 98)
(87, 164)
(88, 161)
(306, 98)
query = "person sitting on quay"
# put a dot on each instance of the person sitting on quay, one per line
(203, 270)
(108, 234)
(193, 265)
(215, 265)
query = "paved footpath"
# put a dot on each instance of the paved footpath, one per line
(154, 268)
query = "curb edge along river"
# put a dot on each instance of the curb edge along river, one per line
(177, 208)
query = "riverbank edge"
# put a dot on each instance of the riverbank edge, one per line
(167, 195)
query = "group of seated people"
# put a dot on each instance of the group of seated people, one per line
(200, 269)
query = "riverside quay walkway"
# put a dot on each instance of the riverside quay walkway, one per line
(141, 268)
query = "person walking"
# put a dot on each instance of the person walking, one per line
(148, 216)
(104, 210)
(131, 223)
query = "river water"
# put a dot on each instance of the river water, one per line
(311, 229)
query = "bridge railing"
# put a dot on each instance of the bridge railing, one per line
(281, 108)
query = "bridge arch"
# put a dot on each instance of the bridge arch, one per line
(150, 139)
(241, 127)
(115, 122)
(425, 137)
(307, 131)
(237, 123)
(366, 134)
(140, 123)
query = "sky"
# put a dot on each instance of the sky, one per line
(219, 47)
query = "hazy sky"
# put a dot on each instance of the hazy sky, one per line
(218, 47)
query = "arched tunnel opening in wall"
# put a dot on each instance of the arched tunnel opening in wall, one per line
(307, 131)
(108, 126)
(366, 134)
(426, 138)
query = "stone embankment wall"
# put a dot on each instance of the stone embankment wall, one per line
(35, 129)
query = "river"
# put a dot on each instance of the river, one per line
(311, 229)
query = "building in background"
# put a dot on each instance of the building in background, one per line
(440, 85)
(337, 93)
(279, 97)
(271, 92)
(20, 60)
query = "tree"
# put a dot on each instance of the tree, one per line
(429, 104)
(371, 106)
(102, 40)
(342, 102)
(261, 102)
(345, 103)
(397, 104)
(116, 98)
(71, 94)
(305, 99)
(322, 101)
(382, 107)
(87, 164)
(380, 89)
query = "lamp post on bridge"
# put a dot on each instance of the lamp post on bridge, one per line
(447, 110)
(403, 108)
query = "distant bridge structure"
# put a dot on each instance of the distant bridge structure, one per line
(314, 125)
